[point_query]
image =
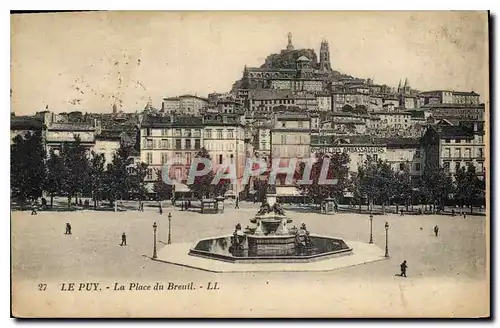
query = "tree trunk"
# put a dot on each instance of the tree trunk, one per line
(359, 204)
(471, 208)
(383, 207)
(397, 208)
(51, 200)
(368, 203)
(69, 202)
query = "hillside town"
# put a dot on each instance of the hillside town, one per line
(292, 106)
(202, 164)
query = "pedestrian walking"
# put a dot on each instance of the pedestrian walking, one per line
(124, 240)
(465, 215)
(33, 209)
(401, 212)
(68, 229)
(453, 212)
(237, 206)
(403, 269)
(436, 230)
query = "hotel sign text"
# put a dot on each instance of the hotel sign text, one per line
(351, 149)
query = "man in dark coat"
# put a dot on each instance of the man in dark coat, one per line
(436, 230)
(68, 229)
(403, 269)
(124, 240)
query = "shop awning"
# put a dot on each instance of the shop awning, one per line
(180, 187)
(287, 191)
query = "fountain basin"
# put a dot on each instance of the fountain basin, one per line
(280, 250)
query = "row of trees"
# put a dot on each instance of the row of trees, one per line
(378, 183)
(74, 172)
(201, 187)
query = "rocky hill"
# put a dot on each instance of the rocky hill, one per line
(288, 59)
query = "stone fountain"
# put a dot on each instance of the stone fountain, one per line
(269, 238)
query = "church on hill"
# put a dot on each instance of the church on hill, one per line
(291, 69)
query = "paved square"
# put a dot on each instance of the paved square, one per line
(446, 275)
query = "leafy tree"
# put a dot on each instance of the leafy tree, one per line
(27, 167)
(355, 185)
(162, 190)
(360, 109)
(54, 178)
(468, 186)
(75, 176)
(97, 176)
(403, 187)
(435, 185)
(117, 181)
(366, 179)
(347, 108)
(202, 185)
(137, 182)
(337, 169)
(384, 183)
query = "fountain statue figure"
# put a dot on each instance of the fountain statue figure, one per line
(238, 237)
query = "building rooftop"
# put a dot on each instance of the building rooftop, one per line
(73, 126)
(430, 106)
(158, 121)
(109, 135)
(267, 94)
(391, 113)
(471, 93)
(454, 131)
(184, 96)
(26, 123)
(294, 117)
(398, 141)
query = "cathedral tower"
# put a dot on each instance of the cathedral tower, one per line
(324, 57)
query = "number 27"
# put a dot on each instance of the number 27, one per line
(42, 287)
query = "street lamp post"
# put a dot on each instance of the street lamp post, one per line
(371, 228)
(386, 239)
(154, 243)
(169, 241)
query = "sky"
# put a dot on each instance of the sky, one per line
(88, 61)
